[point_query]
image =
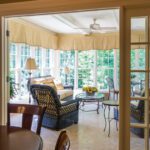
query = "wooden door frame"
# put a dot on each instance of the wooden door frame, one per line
(123, 140)
(124, 127)
(128, 12)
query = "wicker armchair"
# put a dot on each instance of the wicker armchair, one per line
(57, 116)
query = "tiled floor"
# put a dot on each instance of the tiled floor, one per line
(88, 134)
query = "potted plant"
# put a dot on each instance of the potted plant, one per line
(12, 88)
(90, 90)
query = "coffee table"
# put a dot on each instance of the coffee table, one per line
(97, 98)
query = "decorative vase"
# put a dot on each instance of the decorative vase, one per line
(90, 94)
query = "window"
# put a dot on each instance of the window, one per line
(105, 67)
(89, 62)
(137, 59)
(137, 63)
(47, 65)
(38, 59)
(67, 58)
(19, 52)
(93, 66)
(85, 68)
(25, 53)
(13, 55)
(47, 58)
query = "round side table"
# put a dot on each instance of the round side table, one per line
(109, 104)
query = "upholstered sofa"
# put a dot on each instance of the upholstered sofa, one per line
(57, 115)
(137, 113)
(137, 116)
(64, 92)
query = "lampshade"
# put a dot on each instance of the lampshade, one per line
(66, 70)
(30, 64)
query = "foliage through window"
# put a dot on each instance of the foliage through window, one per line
(38, 59)
(67, 59)
(47, 64)
(92, 64)
(85, 68)
(105, 67)
(138, 63)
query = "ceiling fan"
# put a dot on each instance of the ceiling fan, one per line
(95, 27)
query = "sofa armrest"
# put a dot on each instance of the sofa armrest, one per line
(58, 96)
(68, 87)
(70, 102)
(69, 107)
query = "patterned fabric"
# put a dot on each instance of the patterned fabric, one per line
(68, 108)
(50, 83)
(59, 86)
(44, 98)
(57, 115)
(47, 96)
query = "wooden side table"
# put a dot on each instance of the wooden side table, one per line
(14, 138)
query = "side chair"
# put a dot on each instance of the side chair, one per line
(63, 142)
(112, 89)
(27, 111)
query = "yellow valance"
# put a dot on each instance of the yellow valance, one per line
(89, 42)
(101, 41)
(24, 32)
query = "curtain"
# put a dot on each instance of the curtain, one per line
(24, 32)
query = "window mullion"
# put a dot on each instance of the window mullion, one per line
(115, 69)
(76, 71)
(95, 68)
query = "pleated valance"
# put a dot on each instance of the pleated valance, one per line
(24, 32)
(89, 42)
(138, 36)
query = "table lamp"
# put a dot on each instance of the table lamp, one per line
(67, 71)
(30, 66)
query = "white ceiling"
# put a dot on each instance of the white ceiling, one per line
(68, 23)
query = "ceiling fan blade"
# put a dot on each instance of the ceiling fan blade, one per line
(108, 28)
(82, 28)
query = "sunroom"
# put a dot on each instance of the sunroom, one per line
(72, 52)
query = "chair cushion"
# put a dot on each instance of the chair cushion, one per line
(50, 83)
(47, 81)
(135, 104)
(37, 81)
(58, 84)
(64, 93)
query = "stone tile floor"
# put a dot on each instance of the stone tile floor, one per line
(88, 134)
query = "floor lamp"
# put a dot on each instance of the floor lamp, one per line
(30, 66)
(67, 71)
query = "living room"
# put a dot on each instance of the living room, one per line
(78, 62)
